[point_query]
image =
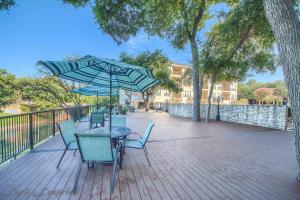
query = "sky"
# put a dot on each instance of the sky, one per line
(50, 30)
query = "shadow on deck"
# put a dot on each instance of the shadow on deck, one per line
(189, 161)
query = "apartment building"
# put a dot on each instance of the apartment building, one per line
(226, 90)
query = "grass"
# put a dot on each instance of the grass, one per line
(4, 114)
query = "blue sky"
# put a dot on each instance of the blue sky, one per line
(49, 30)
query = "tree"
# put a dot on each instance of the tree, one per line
(159, 64)
(285, 24)
(177, 21)
(43, 93)
(239, 41)
(262, 93)
(6, 4)
(246, 90)
(280, 90)
(7, 88)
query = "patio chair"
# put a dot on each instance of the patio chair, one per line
(67, 131)
(97, 117)
(141, 142)
(96, 149)
(102, 110)
(117, 120)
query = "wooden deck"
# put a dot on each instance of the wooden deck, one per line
(189, 161)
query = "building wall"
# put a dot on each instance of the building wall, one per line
(270, 116)
(226, 89)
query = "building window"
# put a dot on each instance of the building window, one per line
(187, 93)
(158, 93)
(166, 93)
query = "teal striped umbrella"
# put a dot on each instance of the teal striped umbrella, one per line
(95, 91)
(103, 73)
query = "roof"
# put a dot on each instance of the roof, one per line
(181, 65)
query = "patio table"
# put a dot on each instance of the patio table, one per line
(117, 133)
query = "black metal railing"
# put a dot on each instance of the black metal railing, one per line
(21, 132)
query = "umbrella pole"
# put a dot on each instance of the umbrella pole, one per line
(110, 86)
(97, 102)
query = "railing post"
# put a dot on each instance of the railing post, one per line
(53, 122)
(30, 131)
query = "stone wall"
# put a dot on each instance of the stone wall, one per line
(269, 116)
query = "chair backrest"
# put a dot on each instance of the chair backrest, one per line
(97, 117)
(101, 110)
(117, 120)
(95, 147)
(67, 130)
(147, 133)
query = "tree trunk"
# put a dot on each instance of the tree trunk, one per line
(145, 97)
(146, 102)
(211, 89)
(286, 27)
(196, 81)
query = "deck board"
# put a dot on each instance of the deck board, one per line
(188, 161)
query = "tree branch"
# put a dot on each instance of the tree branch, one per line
(198, 18)
(240, 42)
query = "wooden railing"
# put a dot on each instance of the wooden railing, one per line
(21, 132)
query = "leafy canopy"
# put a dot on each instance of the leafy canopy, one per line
(240, 40)
(158, 63)
(7, 88)
(6, 4)
(246, 90)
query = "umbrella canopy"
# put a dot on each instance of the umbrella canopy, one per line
(95, 91)
(99, 71)
(103, 73)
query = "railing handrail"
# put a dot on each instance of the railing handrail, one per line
(42, 111)
(23, 131)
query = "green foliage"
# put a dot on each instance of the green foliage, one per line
(174, 20)
(7, 88)
(6, 4)
(42, 93)
(77, 3)
(241, 40)
(158, 63)
(104, 101)
(246, 90)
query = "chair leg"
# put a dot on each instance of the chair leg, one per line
(74, 152)
(112, 181)
(146, 150)
(62, 156)
(146, 154)
(77, 176)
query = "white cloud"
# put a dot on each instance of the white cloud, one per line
(137, 43)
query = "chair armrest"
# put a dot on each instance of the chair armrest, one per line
(70, 143)
(132, 140)
(80, 120)
(136, 134)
